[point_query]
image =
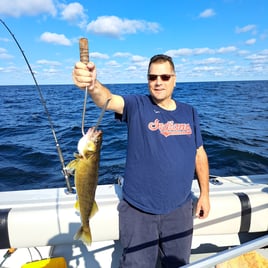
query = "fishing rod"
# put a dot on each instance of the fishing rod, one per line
(65, 173)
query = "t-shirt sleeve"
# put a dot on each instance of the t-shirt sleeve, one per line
(128, 100)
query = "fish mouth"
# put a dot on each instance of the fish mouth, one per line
(90, 142)
(93, 134)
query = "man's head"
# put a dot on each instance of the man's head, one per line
(161, 79)
(161, 58)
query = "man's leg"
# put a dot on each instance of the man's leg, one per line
(176, 236)
(138, 236)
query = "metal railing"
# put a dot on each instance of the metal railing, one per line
(229, 253)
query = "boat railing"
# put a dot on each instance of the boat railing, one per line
(228, 254)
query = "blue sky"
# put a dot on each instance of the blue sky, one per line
(209, 40)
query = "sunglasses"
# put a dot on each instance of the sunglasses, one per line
(164, 77)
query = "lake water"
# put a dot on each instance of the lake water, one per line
(233, 115)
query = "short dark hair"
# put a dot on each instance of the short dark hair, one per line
(161, 58)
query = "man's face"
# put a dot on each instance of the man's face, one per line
(161, 81)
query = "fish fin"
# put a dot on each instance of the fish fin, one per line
(77, 156)
(72, 164)
(76, 205)
(94, 209)
(84, 236)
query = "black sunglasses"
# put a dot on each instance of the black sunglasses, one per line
(164, 77)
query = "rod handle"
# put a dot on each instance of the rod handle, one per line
(83, 48)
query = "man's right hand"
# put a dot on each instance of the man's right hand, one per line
(85, 75)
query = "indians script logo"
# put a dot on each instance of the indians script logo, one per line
(170, 128)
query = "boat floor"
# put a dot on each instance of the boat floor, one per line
(101, 255)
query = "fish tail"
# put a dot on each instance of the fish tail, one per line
(84, 236)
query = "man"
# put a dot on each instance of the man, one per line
(165, 148)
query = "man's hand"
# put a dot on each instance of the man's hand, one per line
(202, 207)
(85, 75)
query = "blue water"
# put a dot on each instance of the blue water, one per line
(234, 122)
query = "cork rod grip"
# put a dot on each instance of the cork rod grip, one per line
(83, 47)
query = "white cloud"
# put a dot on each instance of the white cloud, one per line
(264, 52)
(228, 49)
(264, 35)
(122, 54)
(3, 39)
(74, 13)
(49, 62)
(210, 61)
(199, 51)
(131, 68)
(51, 71)
(17, 8)
(206, 68)
(259, 58)
(4, 54)
(10, 69)
(113, 63)
(137, 58)
(179, 52)
(243, 52)
(251, 41)
(98, 55)
(207, 13)
(238, 68)
(2, 50)
(55, 38)
(247, 28)
(116, 27)
(204, 50)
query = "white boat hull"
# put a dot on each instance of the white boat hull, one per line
(47, 219)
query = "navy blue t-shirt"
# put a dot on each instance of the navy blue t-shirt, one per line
(161, 154)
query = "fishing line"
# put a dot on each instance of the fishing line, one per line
(84, 57)
(66, 175)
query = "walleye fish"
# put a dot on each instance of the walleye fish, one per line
(85, 168)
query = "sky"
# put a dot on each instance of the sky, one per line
(209, 40)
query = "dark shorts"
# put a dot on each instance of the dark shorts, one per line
(145, 236)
